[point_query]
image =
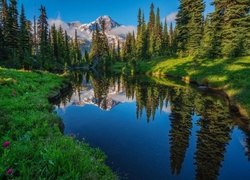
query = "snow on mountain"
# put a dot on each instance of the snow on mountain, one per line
(114, 31)
(109, 24)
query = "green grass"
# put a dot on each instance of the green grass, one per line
(37, 149)
(231, 75)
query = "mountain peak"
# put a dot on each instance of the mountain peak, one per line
(109, 22)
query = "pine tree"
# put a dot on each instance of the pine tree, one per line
(235, 30)
(67, 48)
(158, 34)
(171, 38)
(95, 52)
(151, 23)
(25, 46)
(208, 41)
(181, 26)
(142, 42)
(12, 34)
(139, 37)
(104, 41)
(189, 25)
(195, 26)
(165, 39)
(151, 30)
(42, 32)
(128, 47)
(35, 43)
(61, 45)
(54, 42)
(50, 54)
(174, 45)
(139, 23)
(77, 51)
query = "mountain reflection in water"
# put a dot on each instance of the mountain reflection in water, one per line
(156, 129)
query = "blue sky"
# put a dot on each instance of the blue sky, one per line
(85, 11)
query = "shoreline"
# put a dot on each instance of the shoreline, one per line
(234, 109)
(37, 148)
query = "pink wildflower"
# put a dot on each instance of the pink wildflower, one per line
(10, 171)
(6, 144)
(72, 135)
(14, 93)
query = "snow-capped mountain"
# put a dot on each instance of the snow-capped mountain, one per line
(109, 24)
(85, 31)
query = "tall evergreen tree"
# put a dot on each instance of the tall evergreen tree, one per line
(236, 26)
(42, 32)
(139, 37)
(139, 23)
(25, 46)
(35, 42)
(95, 52)
(171, 37)
(12, 34)
(195, 26)
(208, 42)
(165, 39)
(54, 43)
(61, 45)
(151, 30)
(104, 41)
(189, 25)
(77, 51)
(67, 48)
(158, 34)
(181, 26)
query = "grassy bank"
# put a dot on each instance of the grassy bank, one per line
(32, 146)
(231, 75)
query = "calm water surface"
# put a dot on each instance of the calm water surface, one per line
(156, 129)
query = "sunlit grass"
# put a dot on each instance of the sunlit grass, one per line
(232, 74)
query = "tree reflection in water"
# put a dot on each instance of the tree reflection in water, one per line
(215, 122)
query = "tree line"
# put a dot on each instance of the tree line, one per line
(222, 33)
(26, 45)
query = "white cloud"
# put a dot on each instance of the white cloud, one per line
(171, 17)
(123, 30)
(70, 31)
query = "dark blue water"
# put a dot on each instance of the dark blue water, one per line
(159, 142)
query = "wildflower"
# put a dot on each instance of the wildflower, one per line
(72, 135)
(14, 93)
(10, 171)
(6, 144)
(14, 81)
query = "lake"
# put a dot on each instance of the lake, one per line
(156, 128)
